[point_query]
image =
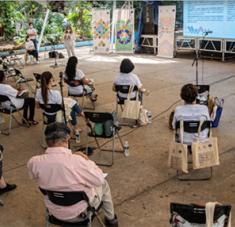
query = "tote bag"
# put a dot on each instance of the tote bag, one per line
(131, 108)
(178, 153)
(205, 154)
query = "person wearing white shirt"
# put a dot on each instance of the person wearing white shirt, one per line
(32, 33)
(126, 77)
(46, 95)
(14, 95)
(69, 41)
(191, 111)
(76, 80)
(30, 49)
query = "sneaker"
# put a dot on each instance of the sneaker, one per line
(111, 223)
(37, 62)
(8, 188)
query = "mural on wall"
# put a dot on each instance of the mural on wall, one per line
(101, 30)
(124, 30)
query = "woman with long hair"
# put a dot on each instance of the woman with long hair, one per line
(69, 41)
(47, 95)
(77, 81)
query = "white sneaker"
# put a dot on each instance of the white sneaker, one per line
(37, 62)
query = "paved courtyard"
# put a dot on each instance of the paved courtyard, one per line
(142, 186)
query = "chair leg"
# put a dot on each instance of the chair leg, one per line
(10, 123)
(43, 142)
(100, 149)
(120, 140)
(100, 220)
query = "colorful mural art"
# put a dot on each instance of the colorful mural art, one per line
(124, 30)
(101, 30)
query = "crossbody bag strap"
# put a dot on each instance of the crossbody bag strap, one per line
(200, 128)
(181, 131)
(129, 92)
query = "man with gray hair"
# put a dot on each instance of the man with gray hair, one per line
(61, 170)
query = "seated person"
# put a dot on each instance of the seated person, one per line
(14, 95)
(126, 77)
(30, 50)
(4, 187)
(77, 81)
(191, 111)
(61, 170)
(46, 95)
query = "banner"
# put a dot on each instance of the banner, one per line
(166, 31)
(101, 30)
(124, 30)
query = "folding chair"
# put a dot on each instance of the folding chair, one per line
(203, 94)
(10, 112)
(192, 127)
(83, 95)
(49, 116)
(125, 90)
(183, 215)
(107, 120)
(68, 199)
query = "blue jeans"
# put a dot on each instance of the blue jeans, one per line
(75, 111)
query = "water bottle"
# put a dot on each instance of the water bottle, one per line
(149, 114)
(77, 136)
(126, 149)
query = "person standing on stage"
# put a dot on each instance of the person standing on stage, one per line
(32, 33)
(69, 41)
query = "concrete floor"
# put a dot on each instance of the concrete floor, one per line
(142, 185)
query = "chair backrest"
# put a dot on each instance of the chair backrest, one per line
(4, 98)
(203, 94)
(125, 88)
(103, 124)
(74, 83)
(98, 117)
(65, 198)
(203, 88)
(50, 108)
(192, 126)
(197, 214)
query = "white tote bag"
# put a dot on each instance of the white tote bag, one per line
(205, 154)
(131, 108)
(178, 153)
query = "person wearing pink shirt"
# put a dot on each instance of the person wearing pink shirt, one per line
(61, 170)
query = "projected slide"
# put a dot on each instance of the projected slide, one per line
(214, 17)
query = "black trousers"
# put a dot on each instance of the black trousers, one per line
(29, 106)
(33, 53)
(0, 169)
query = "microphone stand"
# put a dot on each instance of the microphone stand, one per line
(196, 58)
(61, 91)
